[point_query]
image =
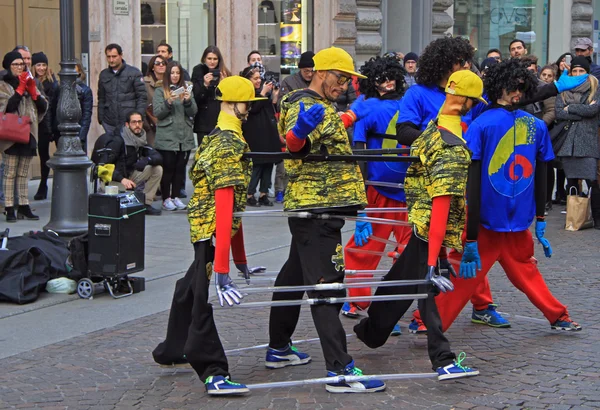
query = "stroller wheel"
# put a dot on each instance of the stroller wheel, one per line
(85, 288)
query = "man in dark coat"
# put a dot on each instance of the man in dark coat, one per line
(135, 161)
(121, 89)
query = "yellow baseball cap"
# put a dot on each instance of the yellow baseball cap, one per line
(335, 58)
(466, 84)
(236, 89)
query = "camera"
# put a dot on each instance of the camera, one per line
(271, 78)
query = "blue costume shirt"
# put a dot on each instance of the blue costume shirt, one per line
(508, 144)
(383, 121)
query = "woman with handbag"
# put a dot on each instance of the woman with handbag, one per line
(579, 150)
(174, 108)
(49, 83)
(23, 107)
(153, 80)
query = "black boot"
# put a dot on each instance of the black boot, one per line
(10, 214)
(24, 212)
(42, 192)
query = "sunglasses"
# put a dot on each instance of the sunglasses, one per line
(380, 79)
(341, 78)
(160, 63)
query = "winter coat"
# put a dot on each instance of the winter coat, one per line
(123, 156)
(260, 130)
(47, 126)
(11, 102)
(175, 127)
(208, 107)
(150, 120)
(86, 100)
(120, 93)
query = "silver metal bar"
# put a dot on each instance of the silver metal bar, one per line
(324, 301)
(260, 279)
(334, 286)
(347, 272)
(264, 346)
(310, 215)
(391, 254)
(385, 184)
(342, 379)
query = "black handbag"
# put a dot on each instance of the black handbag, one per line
(558, 134)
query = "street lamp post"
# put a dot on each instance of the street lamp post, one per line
(68, 213)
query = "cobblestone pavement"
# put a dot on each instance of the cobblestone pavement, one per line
(526, 366)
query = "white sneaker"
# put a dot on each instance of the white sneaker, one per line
(168, 205)
(178, 204)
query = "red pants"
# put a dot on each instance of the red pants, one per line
(361, 261)
(514, 251)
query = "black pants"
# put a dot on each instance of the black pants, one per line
(383, 316)
(560, 185)
(191, 330)
(316, 256)
(174, 163)
(262, 173)
(550, 178)
(44, 152)
(595, 196)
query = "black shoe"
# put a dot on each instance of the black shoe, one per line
(42, 192)
(251, 201)
(150, 210)
(24, 212)
(596, 223)
(182, 193)
(264, 200)
(10, 214)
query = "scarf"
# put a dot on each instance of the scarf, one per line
(229, 122)
(575, 96)
(133, 140)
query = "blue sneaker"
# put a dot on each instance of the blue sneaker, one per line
(290, 356)
(565, 323)
(220, 386)
(279, 197)
(489, 317)
(456, 370)
(350, 310)
(364, 386)
(417, 327)
(397, 331)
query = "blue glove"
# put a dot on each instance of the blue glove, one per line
(226, 289)
(438, 280)
(540, 231)
(470, 262)
(308, 120)
(446, 265)
(566, 82)
(362, 232)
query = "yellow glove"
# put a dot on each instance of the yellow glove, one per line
(105, 172)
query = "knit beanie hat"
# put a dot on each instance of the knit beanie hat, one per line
(38, 58)
(581, 62)
(411, 57)
(306, 60)
(9, 58)
(487, 63)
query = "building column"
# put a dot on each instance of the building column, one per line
(441, 20)
(335, 25)
(581, 20)
(369, 19)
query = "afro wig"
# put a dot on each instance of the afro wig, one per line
(378, 70)
(439, 57)
(510, 75)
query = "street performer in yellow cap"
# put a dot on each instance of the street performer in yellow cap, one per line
(435, 191)
(311, 124)
(220, 176)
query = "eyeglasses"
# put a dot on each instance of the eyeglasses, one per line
(136, 122)
(160, 63)
(341, 78)
(18, 65)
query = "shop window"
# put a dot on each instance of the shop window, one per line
(491, 24)
(284, 32)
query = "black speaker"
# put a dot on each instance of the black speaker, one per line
(116, 234)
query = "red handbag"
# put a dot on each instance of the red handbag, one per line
(15, 128)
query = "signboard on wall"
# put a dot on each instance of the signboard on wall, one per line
(121, 7)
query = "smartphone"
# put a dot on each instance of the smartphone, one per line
(215, 73)
(568, 60)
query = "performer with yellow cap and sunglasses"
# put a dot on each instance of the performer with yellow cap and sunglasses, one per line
(220, 176)
(310, 123)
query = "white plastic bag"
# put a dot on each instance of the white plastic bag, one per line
(61, 285)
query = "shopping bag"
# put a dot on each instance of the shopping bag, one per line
(579, 211)
(15, 128)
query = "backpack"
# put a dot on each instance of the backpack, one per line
(147, 16)
(78, 249)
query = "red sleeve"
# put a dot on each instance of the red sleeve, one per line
(238, 249)
(224, 222)
(437, 227)
(348, 118)
(294, 143)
